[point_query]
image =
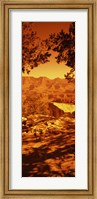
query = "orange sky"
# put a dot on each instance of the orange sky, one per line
(43, 29)
(50, 69)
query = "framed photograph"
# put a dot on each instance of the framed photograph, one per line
(48, 99)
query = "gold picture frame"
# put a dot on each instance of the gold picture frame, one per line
(5, 6)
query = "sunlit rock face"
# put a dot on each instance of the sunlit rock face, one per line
(67, 108)
(55, 111)
(59, 109)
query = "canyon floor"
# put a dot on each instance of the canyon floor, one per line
(48, 146)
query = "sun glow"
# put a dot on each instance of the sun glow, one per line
(51, 70)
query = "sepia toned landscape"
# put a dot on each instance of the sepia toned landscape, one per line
(48, 99)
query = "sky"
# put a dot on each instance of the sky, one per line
(50, 69)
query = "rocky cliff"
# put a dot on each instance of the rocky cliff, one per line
(59, 109)
(55, 111)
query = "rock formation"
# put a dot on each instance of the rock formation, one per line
(59, 109)
(55, 111)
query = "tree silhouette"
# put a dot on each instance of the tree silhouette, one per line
(34, 51)
(64, 44)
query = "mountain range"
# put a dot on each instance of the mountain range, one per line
(37, 93)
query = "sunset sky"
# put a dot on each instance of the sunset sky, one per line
(50, 69)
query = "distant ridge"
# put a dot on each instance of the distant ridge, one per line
(37, 93)
(43, 77)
